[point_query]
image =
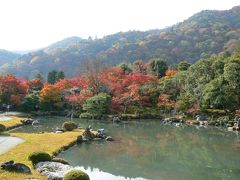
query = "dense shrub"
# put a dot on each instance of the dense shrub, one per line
(76, 175)
(2, 128)
(215, 112)
(60, 160)
(37, 157)
(69, 126)
(86, 115)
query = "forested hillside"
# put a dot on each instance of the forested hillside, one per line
(7, 56)
(203, 34)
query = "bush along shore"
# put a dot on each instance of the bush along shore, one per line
(39, 150)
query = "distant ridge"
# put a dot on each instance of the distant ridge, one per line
(205, 33)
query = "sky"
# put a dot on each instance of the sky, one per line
(33, 24)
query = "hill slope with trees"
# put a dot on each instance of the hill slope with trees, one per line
(205, 33)
(7, 56)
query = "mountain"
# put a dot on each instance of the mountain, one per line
(64, 43)
(7, 56)
(205, 33)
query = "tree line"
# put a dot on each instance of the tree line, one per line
(137, 88)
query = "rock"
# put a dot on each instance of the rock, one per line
(201, 118)
(6, 164)
(101, 131)
(178, 124)
(203, 123)
(109, 138)
(22, 168)
(229, 125)
(230, 128)
(53, 170)
(17, 167)
(194, 122)
(100, 134)
(27, 121)
(36, 122)
(172, 120)
(88, 134)
(211, 123)
(116, 119)
(59, 132)
(79, 139)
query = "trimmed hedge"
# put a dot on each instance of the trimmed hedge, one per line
(37, 157)
(76, 175)
(69, 126)
(86, 115)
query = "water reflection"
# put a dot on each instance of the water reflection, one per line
(150, 150)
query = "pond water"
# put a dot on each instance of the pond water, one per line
(149, 150)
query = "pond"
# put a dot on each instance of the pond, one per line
(150, 150)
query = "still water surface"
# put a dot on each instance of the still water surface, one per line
(149, 150)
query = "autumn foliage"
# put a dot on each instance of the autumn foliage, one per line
(129, 91)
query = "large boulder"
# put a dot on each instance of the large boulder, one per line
(54, 170)
(15, 167)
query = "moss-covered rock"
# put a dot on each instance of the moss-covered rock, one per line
(76, 175)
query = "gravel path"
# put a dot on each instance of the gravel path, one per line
(8, 142)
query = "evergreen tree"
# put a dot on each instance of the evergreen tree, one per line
(52, 77)
(38, 76)
(158, 67)
(60, 75)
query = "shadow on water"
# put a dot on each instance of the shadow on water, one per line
(151, 150)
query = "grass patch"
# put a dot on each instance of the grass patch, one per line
(13, 122)
(47, 142)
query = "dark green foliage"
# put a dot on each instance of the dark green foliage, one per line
(69, 126)
(76, 175)
(30, 102)
(39, 156)
(39, 76)
(60, 160)
(52, 77)
(125, 67)
(2, 128)
(60, 75)
(97, 105)
(212, 83)
(183, 66)
(158, 67)
(217, 94)
(86, 115)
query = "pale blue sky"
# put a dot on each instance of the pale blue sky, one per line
(32, 24)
